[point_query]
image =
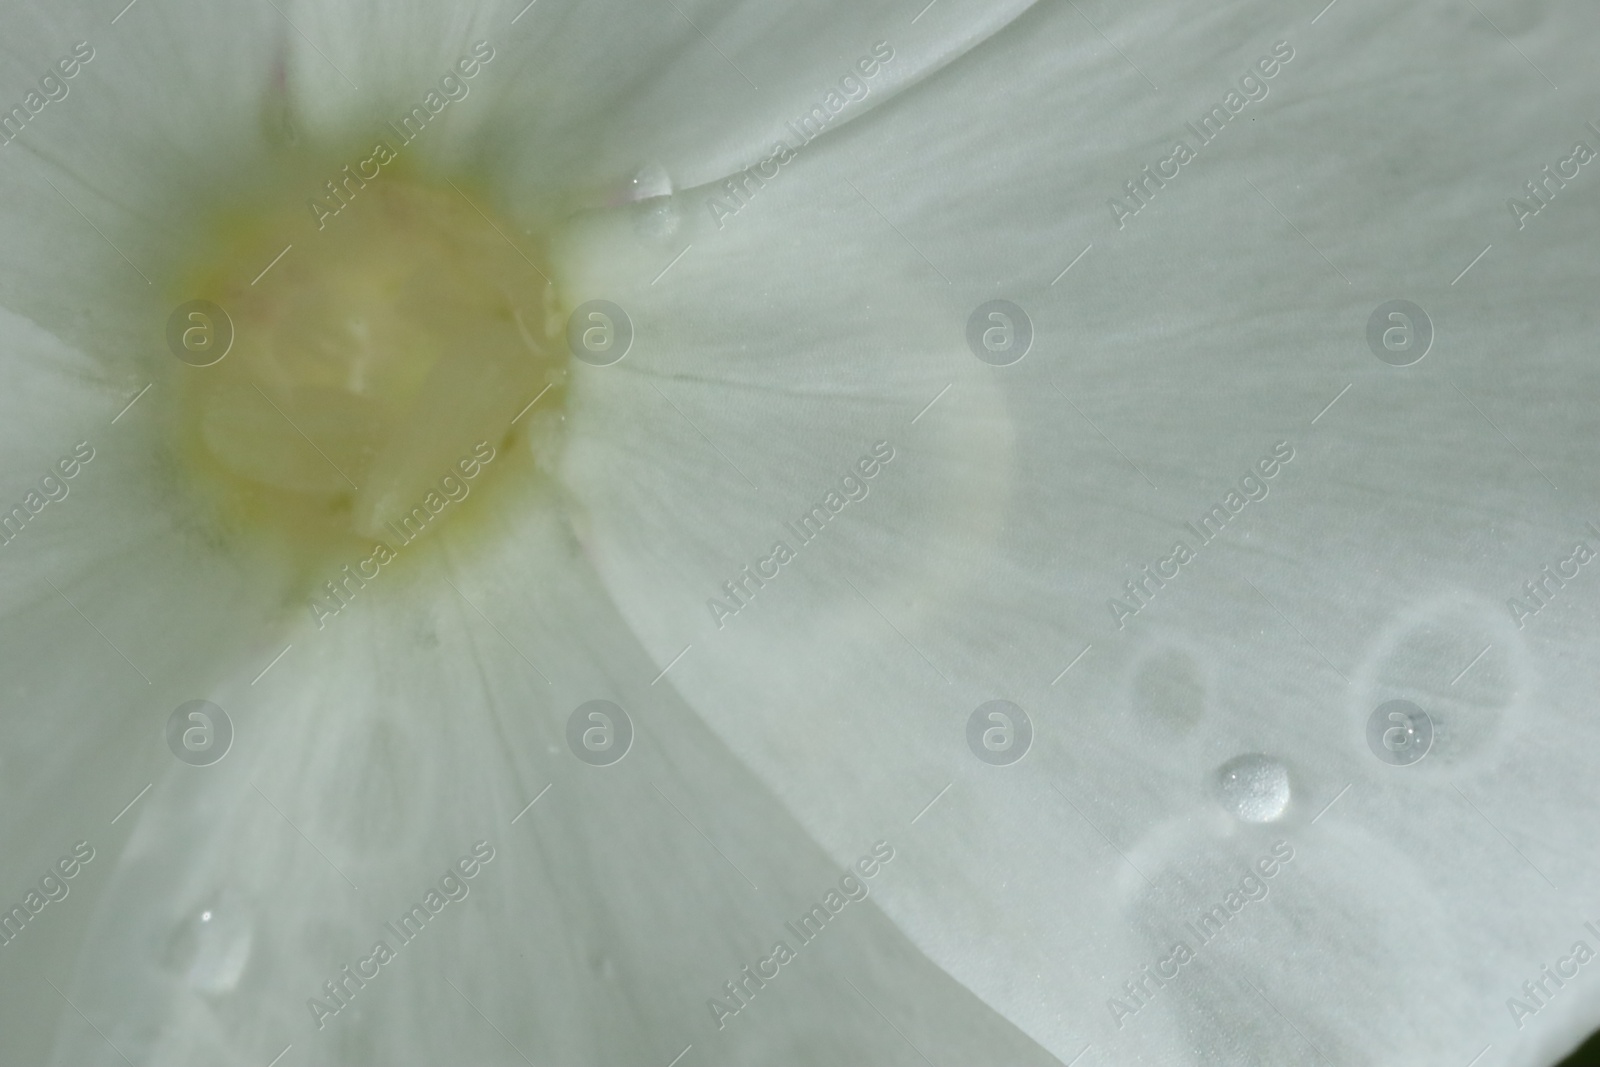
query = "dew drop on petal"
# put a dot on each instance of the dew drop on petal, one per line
(651, 181)
(210, 946)
(650, 191)
(1254, 788)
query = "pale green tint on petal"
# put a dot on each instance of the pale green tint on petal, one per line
(111, 186)
(1177, 353)
(380, 749)
(580, 96)
(117, 607)
(825, 315)
(106, 187)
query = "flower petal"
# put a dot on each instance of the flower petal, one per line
(108, 185)
(579, 97)
(431, 714)
(1181, 351)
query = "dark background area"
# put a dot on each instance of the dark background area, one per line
(1585, 1055)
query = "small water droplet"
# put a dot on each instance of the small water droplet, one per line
(1254, 788)
(210, 947)
(656, 212)
(651, 181)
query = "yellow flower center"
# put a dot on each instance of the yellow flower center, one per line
(369, 366)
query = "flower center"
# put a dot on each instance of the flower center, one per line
(377, 364)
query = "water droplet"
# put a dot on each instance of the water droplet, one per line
(1254, 788)
(651, 181)
(656, 212)
(210, 947)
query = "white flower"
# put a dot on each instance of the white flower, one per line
(976, 533)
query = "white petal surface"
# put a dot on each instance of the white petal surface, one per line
(118, 607)
(106, 186)
(1223, 319)
(775, 345)
(581, 96)
(378, 751)
(215, 917)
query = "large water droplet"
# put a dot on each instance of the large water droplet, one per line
(1254, 788)
(211, 945)
(651, 181)
(656, 212)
